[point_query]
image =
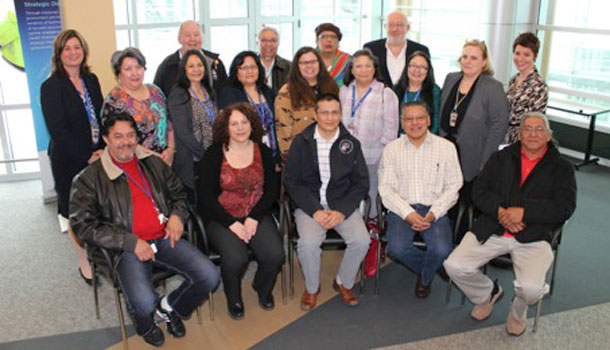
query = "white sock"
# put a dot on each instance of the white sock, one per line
(165, 304)
(63, 223)
(338, 280)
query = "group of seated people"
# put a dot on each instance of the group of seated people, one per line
(136, 162)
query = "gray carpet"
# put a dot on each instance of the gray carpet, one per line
(396, 316)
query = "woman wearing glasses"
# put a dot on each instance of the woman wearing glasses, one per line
(417, 84)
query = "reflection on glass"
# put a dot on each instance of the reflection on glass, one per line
(276, 8)
(22, 139)
(228, 41)
(229, 9)
(156, 44)
(156, 11)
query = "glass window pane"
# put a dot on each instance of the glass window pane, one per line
(588, 14)
(229, 48)
(316, 8)
(156, 44)
(229, 9)
(285, 49)
(350, 29)
(308, 33)
(156, 11)
(120, 12)
(13, 84)
(22, 139)
(276, 8)
(122, 39)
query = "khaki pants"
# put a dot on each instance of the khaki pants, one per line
(531, 262)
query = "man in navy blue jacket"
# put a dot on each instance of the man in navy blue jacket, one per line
(524, 193)
(326, 178)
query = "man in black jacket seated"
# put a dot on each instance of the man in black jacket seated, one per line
(326, 178)
(524, 192)
(190, 38)
(133, 204)
(394, 50)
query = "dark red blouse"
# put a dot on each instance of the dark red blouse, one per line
(241, 188)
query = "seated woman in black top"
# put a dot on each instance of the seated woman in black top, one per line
(247, 84)
(237, 189)
(192, 108)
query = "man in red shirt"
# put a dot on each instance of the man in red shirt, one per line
(133, 204)
(524, 193)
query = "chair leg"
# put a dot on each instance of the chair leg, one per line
(283, 283)
(291, 267)
(553, 271)
(117, 298)
(378, 272)
(448, 292)
(211, 301)
(198, 310)
(362, 278)
(538, 307)
(94, 278)
(463, 299)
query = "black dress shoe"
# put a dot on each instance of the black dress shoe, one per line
(266, 302)
(421, 291)
(173, 322)
(89, 281)
(236, 310)
(154, 337)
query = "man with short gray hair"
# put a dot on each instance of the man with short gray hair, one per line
(190, 38)
(276, 67)
(524, 193)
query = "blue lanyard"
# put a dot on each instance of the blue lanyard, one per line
(145, 187)
(355, 108)
(207, 104)
(89, 109)
(259, 107)
(416, 98)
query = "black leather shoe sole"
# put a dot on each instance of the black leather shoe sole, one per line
(266, 303)
(155, 337)
(236, 311)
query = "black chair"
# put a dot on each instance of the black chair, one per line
(215, 257)
(102, 263)
(417, 240)
(333, 239)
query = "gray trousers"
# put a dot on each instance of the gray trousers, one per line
(531, 261)
(311, 235)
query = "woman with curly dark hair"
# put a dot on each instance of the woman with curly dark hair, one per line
(236, 191)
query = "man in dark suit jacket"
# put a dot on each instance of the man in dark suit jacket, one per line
(190, 38)
(393, 51)
(276, 67)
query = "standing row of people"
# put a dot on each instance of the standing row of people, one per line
(227, 136)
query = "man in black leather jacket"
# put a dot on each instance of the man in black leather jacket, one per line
(133, 204)
(524, 193)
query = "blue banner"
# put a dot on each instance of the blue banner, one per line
(39, 23)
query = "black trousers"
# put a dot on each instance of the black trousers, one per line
(266, 245)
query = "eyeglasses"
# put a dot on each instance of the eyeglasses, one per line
(328, 36)
(395, 25)
(269, 41)
(419, 119)
(417, 67)
(247, 68)
(530, 130)
(307, 63)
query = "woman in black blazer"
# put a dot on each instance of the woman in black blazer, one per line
(71, 100)
(246, 83)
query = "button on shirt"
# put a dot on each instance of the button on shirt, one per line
(396, 65)
(324, 147)
(429, 175)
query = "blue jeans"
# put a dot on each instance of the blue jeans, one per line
(135, 278)
(437, 239)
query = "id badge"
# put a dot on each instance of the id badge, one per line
(453, 117)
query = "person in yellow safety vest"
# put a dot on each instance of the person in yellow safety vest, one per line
(10, 42)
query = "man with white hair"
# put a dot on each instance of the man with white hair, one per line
(190, 38)
(394, 51)
(276, 67)
(524, 193)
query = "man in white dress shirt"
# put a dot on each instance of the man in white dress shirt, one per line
(419, 180)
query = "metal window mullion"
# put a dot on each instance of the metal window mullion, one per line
(135, 30)
(5, 139)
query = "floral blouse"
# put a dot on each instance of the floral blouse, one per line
(150, 115)
(531, 96)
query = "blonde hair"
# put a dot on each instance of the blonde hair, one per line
(488, 68)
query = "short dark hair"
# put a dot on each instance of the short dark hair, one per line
(328, 27)
(415, 103)
(221, 123)
(115, 117)
(327, 97)
(528, 40)
(349, 75)
(238, 61)
(184, 82)
(116, 60)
